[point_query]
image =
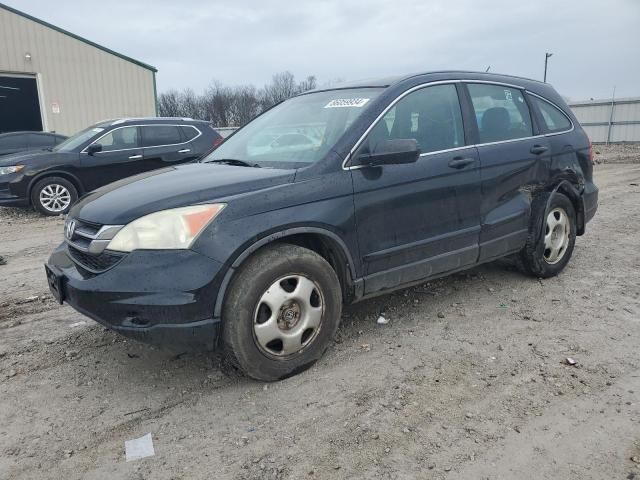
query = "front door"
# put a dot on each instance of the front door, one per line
(420, 219)
(120, 157)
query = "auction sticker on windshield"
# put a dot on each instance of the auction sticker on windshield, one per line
(346, 102)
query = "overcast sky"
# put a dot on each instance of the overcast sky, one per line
(595, 43)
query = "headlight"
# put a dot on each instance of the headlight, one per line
(11, 169)
(167, 229)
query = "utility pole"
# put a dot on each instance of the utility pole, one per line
(546, 59)
(613, 105)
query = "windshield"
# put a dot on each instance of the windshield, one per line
(297, 132)
(78, 139)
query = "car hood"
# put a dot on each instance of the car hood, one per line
(34, 157)
(125, 200)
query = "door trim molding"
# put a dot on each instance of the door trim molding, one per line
(420, 243)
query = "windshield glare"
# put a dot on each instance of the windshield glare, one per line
(78, 139)
(297, 132)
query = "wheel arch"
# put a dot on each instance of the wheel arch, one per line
(326, 243)
(566, 188)
(55, 173)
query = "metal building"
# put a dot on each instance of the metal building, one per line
(53, 80)
(609, 121)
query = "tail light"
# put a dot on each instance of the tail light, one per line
(217, 142)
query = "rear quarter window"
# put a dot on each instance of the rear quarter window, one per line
(553, 118)
(189, 132)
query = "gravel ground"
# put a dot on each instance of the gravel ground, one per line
(469, 380)
(618, 153)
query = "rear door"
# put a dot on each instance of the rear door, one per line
(514, 157)
(166, 145)
(419, 219)
(120, 157)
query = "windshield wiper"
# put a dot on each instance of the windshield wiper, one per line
(233, 161)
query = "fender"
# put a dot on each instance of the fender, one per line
(570, 191)
(217, 313)
(53, 173)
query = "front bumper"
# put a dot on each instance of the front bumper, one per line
(165, 298)
(13, 191)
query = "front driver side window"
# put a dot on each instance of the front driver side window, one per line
(430, 115)
(120, 139)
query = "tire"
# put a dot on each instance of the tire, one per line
(550, 245)
(280, 291)
(53, 196)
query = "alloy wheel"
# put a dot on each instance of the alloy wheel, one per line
(55, 198)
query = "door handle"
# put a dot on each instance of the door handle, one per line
(135, 157)
(184, 150)
(461, 162)
(538, 149)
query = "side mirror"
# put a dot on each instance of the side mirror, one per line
(392, 152)
(94, 148)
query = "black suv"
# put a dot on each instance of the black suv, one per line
(52, 180)
(257, 247)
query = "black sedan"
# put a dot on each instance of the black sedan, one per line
(15, 142)
(53, 179)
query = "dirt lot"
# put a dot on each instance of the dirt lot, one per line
(467, 381)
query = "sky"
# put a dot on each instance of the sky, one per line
(595, 43)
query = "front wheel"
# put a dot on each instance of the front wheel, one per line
(282, 309)
(53, 196)
(552, 236)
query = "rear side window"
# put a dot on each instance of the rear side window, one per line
(554, 120)
(189, 132)
(120, 139)
(430, 115)
(501, 112)
(158, 135)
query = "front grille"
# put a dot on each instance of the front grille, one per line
(94, 263)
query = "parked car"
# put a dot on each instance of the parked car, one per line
(51, 181)
(406, 186)
(15, 142)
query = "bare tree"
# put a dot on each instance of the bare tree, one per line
(308, 84)
(191, 104)
(245, 105)
(282, 86)
(231, 106)
(169, 104)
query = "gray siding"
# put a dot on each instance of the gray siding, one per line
(88, 83)
(594, 117)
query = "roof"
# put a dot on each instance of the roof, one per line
(30, 132)
(159, 120)
(77, 37)
(384, 82)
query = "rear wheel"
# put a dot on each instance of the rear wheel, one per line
(53, 196)
(282, 309)
(552, 236)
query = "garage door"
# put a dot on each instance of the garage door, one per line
(19, 104)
